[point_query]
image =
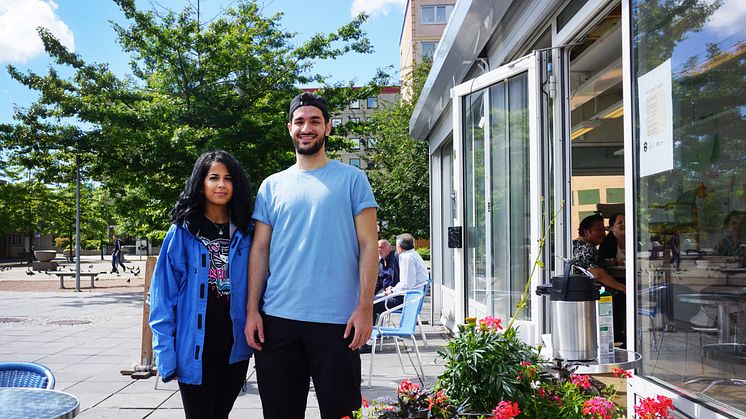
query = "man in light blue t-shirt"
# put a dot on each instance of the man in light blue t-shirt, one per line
(312, 272)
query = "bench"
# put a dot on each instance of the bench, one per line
(63, 275)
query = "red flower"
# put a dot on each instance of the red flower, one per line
(620, 373)
(505, 410)
(365, 403)
(650, 408)
(437, 399)
(598, 407)
(407, 387)
(346, 417)
(581, 381)
(490, 323)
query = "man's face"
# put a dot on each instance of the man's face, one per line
(383, 249)
(736, 226)
(307, 129)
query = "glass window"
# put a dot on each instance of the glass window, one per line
(435, 15)
(353, 120)
(355, 143)
(690, 131)
(614, 195)
(427, 49)
(355, 162)
(372, 103)
(589, 197)
(336, 122)
(355, 104)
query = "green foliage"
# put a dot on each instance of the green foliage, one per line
(195, 86)
(482, 368)
(424, 252)
(400, 175)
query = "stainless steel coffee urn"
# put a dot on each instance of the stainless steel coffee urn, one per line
(573, 307)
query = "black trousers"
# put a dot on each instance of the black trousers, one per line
(380, 307)
(221, 383)
(619, 304)
(294, 352)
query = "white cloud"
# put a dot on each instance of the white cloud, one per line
(19, 19)
(376, 7)
(728, 18)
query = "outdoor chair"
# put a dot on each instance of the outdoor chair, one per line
(410, 310)
(425, 290)
(25, 374)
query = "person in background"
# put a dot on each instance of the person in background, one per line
(116, 256)
(611, 251)
(199, 291)
(388, 266)
(734, 242)
(612, 247)
(585, 253)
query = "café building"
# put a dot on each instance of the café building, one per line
(540, 112)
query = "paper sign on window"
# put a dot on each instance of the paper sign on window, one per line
(656, 120)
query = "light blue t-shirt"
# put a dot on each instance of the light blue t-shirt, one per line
(313, 257)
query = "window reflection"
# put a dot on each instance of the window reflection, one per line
(692, 252)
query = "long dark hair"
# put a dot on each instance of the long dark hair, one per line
(191, 203)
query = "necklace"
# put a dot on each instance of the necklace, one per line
(220, 229)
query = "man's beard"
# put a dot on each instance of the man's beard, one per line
(314, 148)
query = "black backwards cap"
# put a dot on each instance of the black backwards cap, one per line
(308, 99)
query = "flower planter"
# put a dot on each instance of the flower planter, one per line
(45, 255)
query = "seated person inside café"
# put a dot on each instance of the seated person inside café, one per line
(733, 242)
(611, 251)
(586, 255)
(585, 252)
(388, 266)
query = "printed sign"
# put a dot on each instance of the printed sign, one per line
(656, 120)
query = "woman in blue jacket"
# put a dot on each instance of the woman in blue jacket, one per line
(199, 288)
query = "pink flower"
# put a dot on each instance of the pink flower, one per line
(581, 381)
(490, 323)
(407, 387)
(598, 407)
(620, 373)
(390, 408)
(505, 410)
(650, 408)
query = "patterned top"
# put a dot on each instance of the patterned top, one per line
(728, 247)
(585, 254)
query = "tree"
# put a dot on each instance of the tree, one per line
(195, 86)
(400, 174)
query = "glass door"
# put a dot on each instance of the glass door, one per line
(498, 117)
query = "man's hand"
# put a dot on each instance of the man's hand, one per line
(362, 321)
(254, 326)
(388, 290)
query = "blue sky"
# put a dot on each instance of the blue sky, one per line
(83, 25)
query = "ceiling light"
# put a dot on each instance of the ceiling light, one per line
(614, 111)
(583, 128)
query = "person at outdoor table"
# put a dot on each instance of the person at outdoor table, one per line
(388, 266)
(734, 243)
(585, 253)
(612, 247)
(199, 290)
(412, 275)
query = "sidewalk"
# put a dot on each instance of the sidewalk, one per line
(86, 338)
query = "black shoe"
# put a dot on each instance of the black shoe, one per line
(365, 349)
(114, 271)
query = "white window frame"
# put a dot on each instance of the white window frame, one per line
(448, 8)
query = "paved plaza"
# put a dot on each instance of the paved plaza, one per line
(87, 337)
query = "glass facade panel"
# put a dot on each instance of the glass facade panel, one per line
(614, 195)
(475, 240)
(691, 215)
(497, 203)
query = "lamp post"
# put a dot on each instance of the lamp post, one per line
(77, 221)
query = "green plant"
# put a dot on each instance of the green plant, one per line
(483, 366)
(424, 252)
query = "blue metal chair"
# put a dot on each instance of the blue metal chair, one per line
(410, 310)
(25, 374)
(425, 290)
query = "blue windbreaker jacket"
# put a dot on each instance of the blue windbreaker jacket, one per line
(178, 300)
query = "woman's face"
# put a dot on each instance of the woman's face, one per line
(595, 234)
(618, 227)
(218, 185)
